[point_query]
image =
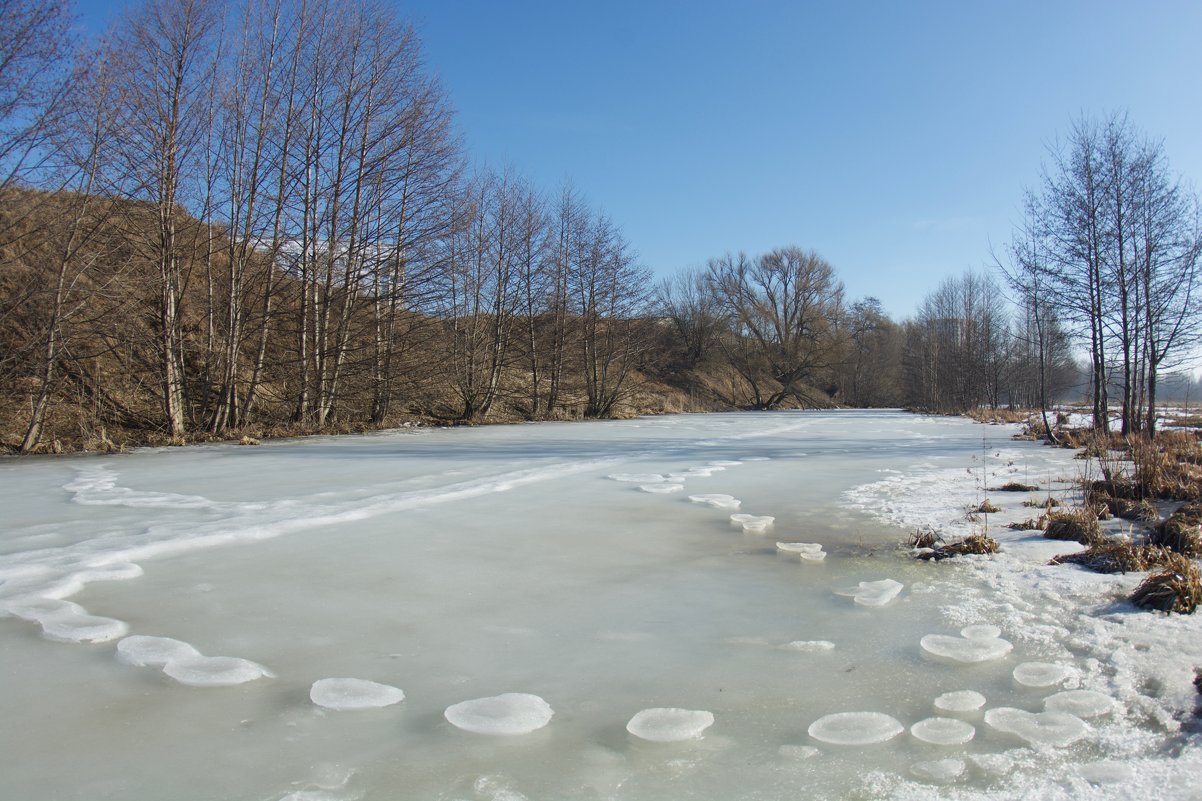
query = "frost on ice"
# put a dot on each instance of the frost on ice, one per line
(872, 593)
(346, 694)
(808, 551)
(752, 523)
(669, 725)
(943, 731)
(661, 489)
(1041, 674)
(717, 500)
(810, 646)
(506, 714)
(1082, 703)
(214, 671)
(971, 647)
(141, 650)
(939, 770)
(1038, 728)
(960, 701)
(855, 728)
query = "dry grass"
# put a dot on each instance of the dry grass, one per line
(987, 508)
(1115, 557)
(972, 544)
(248, 440)
(1017, 486)
(1030, 524)
(1046, 503)
(1077, 525)
(1182, 532)
(998, 416)
(923, 538)
(1176, 587)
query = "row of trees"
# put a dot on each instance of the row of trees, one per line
(262, 213)
(1110, 247)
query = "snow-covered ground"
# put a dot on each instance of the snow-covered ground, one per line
(575, 611)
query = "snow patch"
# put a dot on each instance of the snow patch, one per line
(345, 694)
(507, 714)
(669, 725)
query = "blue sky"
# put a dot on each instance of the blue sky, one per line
(893, 138)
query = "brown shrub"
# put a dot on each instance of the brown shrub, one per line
(972, 544)
(1182, 531)
(1016, 486)
(1177, 587)
(1114, 557)
(1078, 525)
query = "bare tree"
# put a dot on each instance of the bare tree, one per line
(784, 309)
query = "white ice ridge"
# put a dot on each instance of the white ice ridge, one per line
(670, 725)
(939, 770)
(1041, 674)
(694, 472)
(855, 728)
(62, 571)
(1082, 703)
(960, 701)
(976, 644)
(661, 489)
(1038, 728)
(752, 523)
(64, 621)
(346, 694)
(716, 500)
(725, 463)
(872, 593)
(506, 714)
(943, 731)
(809, 646)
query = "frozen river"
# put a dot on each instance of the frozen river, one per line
(593, 565)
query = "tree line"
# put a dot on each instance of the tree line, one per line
(256, 217)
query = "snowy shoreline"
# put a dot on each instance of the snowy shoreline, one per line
(1149, 747)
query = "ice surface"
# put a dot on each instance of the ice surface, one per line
(506, 714)
(1056, 729)
(960, 701)
(964, 649)
(753, 523)
(36, 610)
(443, 557)
(939, 770)
(1082, 703)
(670, 725)
(1106, 772)
(981, 631)
(1041, 674)
(345, 694)
(810, 646)
(213, 671)
(725, 463)
(812, 556)
(872, 593)
(943, 731)
(855, 728)
(798, 752)
(142, 650)
(716, 500)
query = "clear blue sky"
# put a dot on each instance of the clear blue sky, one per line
(895, 138)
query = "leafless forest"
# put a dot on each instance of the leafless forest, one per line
(256, 218)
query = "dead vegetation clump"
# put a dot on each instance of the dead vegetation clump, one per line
(924, 538)
(972, 544)
(1030, 524)
(1046, 503)
(1182, 532)
(1018, 486)
(1115, 557)
(987, 507)
(1077, 525)
(1176, 587)
(1000, 416)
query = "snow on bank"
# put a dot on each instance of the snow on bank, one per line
(1128, 671)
